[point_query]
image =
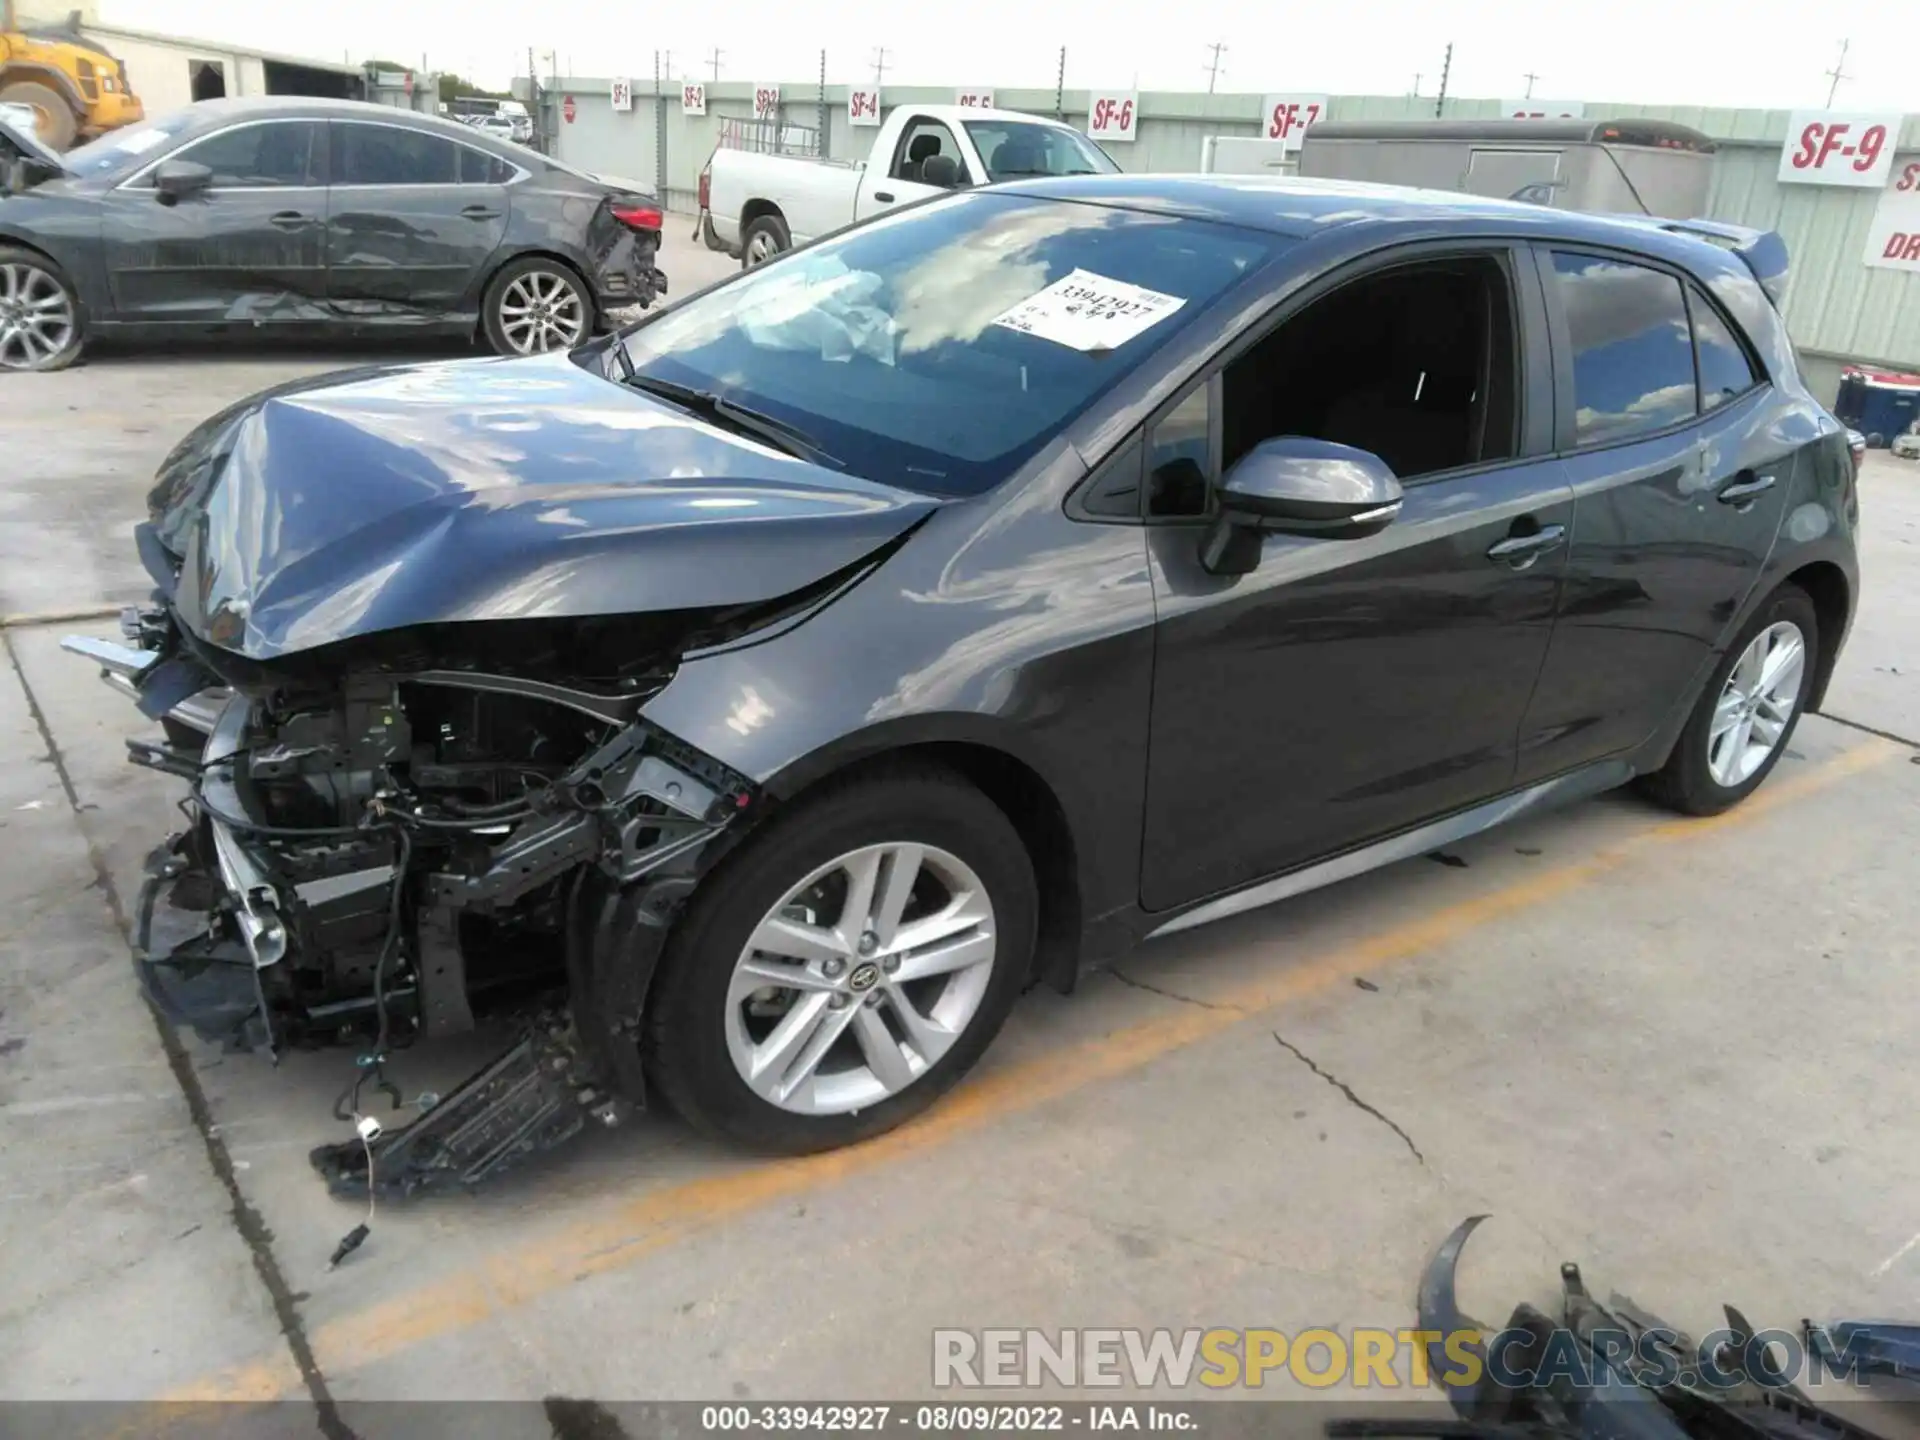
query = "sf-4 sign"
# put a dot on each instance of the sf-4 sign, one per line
(863, 107)
(766, 101)
(1286, 117)
(1113, 116)
(1828, 148)
(693, 99)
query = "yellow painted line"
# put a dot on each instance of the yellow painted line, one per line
(628, 1233)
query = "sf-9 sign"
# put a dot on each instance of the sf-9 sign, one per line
(1286, 117)
(1113, 116)
(1827, 149)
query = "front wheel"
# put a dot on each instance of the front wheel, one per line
(39, 313)
(1748, 711)
(846, 967)
(535, 305)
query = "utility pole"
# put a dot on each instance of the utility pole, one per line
(1838, 73)
(1416, 84)
(1060, 87)
(1213, 68)
(1530, 77)
(879, 66)
(1446, 68)
(666, 69)
(713, 59)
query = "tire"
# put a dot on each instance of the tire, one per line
(764, 238)
(42, 326)
(534, 305)
(705, 1024)
(54, 119)
(1701, 776)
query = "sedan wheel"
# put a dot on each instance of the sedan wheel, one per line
(860, 979)
(541, 310)
(1756, 703)
(39, 326)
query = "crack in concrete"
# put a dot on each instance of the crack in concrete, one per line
(1126, 979)
(1347, 1090)
(246, 1220)
(1868, 729)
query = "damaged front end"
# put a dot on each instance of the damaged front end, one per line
(394, 849)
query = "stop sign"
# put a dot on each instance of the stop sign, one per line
(568, 109)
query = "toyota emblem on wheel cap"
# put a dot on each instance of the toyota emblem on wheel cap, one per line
(864, 977)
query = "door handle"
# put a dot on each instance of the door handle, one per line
(480, 212)
(290, 220)
(1745, 488)
(885, 197)
(1520, 551)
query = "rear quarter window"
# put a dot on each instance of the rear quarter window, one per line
(1633, 367)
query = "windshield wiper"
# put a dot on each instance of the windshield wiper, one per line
(730, 413)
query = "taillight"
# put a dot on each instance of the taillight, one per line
(706, 185)
(638, 217)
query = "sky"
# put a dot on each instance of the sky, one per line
(1763, 54)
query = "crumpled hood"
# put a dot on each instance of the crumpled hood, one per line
(391, 496)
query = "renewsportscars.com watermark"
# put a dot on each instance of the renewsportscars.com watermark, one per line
(1363, 1358)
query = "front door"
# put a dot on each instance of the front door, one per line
(1680, 488)
(412, 219)
(901, 185)
(1347, 689)
(248, 248)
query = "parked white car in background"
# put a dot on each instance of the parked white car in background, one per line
(763, 203)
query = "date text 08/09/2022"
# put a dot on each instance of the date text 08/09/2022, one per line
(947, 1419)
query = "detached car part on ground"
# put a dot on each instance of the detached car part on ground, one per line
(300, 218)
(762, 698)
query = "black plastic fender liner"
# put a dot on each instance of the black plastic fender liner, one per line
(615, 937)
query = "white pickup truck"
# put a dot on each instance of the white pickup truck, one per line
(759, 204)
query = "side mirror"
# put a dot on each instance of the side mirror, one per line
(174, 178)
(1298, 486)
(941, 170)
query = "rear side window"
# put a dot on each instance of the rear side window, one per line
(259, 157)
(1725, 371)
(390, 155)
(479, 168)
(1632, 348)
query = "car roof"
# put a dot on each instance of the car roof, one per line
(1300, 208)
(211, 114)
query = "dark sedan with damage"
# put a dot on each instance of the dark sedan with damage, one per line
(793, 679)
(308, 217)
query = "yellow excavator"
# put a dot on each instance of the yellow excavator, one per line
(75, 89)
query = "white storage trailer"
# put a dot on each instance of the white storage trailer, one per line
(1634, 167)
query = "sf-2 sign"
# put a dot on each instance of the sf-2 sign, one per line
(863, 107)
(1893, 236)
(622, 91)
(1286, 117)
(1825, 148)
(1113, 116)
(693, 99)
(766, 101)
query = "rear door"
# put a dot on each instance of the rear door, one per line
(921, 139)
(412, 219)
(1679, 485)
(247, 249)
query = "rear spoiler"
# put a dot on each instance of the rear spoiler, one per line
(1764, 252)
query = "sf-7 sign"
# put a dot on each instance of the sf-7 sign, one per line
(1824, 148)
(1286, 117)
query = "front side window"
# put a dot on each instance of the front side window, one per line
(393, 155)
(1725, 372)
(259, 157)
(1012, 149)
(925, 139)
(940, 347)
(1632, 347)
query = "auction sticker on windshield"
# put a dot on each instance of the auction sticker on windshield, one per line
(1085, 311)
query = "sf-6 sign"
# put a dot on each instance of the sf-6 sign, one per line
(1113, 116)
(1825, 148)
(1286, 117)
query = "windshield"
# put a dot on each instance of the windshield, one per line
(119, 150)
(939, 348)
(1013, 148)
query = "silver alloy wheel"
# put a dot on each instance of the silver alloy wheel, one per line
(761, 247)
(830, 1016)
(1756, 704)
(36, 317)
(542, 310)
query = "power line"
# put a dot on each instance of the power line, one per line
(1838, 73)
(1213, 67)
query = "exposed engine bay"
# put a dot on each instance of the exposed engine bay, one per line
(394, 848)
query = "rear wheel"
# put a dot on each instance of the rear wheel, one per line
(53, 118)
(1748, 711)
(848, 966)
(765, 237)
(39, 313)
(535, 305)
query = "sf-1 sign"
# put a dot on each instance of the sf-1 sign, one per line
(1113, 116)
(1824, 148)
(974, 99)
(863, 107)
(693, 99)
(766, 101)
(622, 92)
(1286, 117)
(1893, 237)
